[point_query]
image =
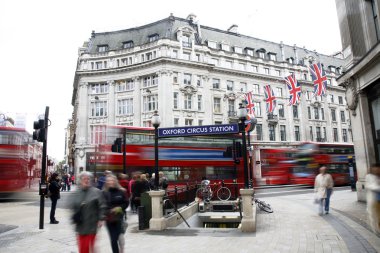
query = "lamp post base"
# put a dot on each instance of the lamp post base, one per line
(157, 222)
(248, 222)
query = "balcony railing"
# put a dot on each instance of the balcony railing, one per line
(321, 139)
(272, 119)
(232, 113)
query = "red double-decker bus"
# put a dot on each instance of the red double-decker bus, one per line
(14, 159)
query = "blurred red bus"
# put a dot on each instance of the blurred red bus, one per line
(13, 159)
(311, 156)
(276, 164)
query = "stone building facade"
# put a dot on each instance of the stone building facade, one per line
(197, 75)
(359, 27)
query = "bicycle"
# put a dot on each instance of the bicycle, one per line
(263, 206)
(206, 191)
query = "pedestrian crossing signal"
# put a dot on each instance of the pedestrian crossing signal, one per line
(40, 131)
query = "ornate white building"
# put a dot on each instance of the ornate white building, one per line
(197, 75)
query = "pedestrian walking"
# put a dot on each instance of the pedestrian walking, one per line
(145, 183)
(64, 179)
(124, 182)
(102, 179)
(373, 197)
(68, 182)
(116, 204)
(323, 187)
(138, 187)
(131, 185)
(89, 208)
(54, 193)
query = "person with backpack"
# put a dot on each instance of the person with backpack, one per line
(54, 193)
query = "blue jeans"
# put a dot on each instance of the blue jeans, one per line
(325, 202)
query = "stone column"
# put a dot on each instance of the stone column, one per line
(112, 103)
(83, 113)
(137, 102)
(157, 222)
(248, 222)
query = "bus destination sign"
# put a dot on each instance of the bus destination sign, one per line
(198, 130)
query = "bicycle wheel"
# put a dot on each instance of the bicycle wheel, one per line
(223, 194)
(264, 206)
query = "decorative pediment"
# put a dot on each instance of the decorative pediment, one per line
(185, 30)
(189, 89)
(230, 96)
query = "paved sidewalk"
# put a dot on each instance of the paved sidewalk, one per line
(295, 226)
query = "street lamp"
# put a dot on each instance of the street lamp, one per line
(156, 121)
(242, 115)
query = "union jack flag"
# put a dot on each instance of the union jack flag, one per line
(294, 89)
(270, 98)
(319, 79)
(250, 104)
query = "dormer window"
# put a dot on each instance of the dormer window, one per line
(128, 44)
(272, 56)
(226, 47)
(153, 37)
(186, 42)
(238, 50)
(290, 60)
(261, 53)
(249, 51)
(102, 48)
(211, 44)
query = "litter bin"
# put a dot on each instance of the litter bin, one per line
(146, 202)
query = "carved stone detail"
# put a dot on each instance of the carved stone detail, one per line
(189, 89)
(352, 96)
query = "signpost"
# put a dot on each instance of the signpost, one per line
(198, 130)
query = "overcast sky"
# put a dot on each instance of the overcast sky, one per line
(39, 41)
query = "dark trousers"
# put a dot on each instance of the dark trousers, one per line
(53, 207)
(327, 202)
(114, 229)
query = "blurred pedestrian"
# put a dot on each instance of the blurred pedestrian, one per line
(162, 181)
(124, 182)
(145, 183)
(373, 197)
(116, 204)
(323, 187)
(54, 192)
(89, 208)
(64, 179)
(102, 179)
(131, 184)
(152, 181)
(137, 188)
(68, 182)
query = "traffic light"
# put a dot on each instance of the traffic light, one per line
(116, 147)
(228, 152)
(39, 133)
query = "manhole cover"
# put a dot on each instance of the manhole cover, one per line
(328, 238)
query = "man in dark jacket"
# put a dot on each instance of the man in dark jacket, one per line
(89, 205)
(54, 186)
